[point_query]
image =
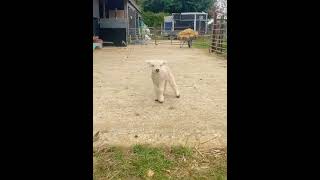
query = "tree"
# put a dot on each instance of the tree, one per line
(154, 6)
(155, 10)
(219, 7)
(175, 6)
(153, 19)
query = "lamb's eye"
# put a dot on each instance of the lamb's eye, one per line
(152, 65)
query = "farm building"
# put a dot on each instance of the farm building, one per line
(115, 20)
(168, 22)
(198, 21)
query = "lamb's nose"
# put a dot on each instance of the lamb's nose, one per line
(157, 70)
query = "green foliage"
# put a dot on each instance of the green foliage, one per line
(175, 6)
(153, 19)
(155, 10)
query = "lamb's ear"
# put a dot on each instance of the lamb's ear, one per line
(148, 62)
(164, 62)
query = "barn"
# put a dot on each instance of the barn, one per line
(115, 20)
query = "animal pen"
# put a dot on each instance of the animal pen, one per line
(215, 40)
(197, 21)
(211, 36)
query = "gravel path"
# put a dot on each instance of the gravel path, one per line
(125, 112)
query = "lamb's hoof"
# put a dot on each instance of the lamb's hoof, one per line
(156, 99)
(160, 101)
(178, 96)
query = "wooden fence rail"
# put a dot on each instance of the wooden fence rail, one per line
(219, 38)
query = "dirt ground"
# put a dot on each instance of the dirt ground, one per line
(124, 110)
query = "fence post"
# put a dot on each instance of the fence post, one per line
(222, 36)
(219, 38)
(213, 44)
(213, 32)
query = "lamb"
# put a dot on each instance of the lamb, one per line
(161, 74)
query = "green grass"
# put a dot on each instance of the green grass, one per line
(202, 43)
(176, 162)
(180, 151)
(149, 158)
(205, 42)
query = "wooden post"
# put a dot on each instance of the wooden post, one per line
(213, 44)
(213, 38)
(104, 9)
(222, 36)
(206, 30)
(195, 22)
(221, 33)
(218, 38)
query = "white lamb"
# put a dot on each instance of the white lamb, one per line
(161, 74)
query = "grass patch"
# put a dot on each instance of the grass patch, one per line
(181, 151)
(202, 43)
(149, 158)
(205, 42)
(176, 162)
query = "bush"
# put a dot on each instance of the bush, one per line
(153, 19)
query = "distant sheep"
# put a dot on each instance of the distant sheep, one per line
(161, 74)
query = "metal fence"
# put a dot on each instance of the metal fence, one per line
(215, 41)
(156, 35)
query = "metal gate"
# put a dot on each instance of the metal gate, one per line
(156, 36)
(214, 41)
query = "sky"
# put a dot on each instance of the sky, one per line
(222, 5)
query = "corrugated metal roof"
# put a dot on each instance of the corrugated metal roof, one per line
(184, 13)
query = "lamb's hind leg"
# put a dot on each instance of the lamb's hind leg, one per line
(174, 86)
(165, 86)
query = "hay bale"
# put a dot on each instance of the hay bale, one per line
(188, 33)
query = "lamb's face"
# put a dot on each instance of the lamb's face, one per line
(156, 65)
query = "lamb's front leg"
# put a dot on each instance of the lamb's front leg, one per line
(161, 91)
(156, 91)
